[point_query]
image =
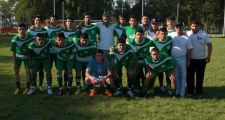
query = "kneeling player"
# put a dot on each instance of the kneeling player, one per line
(155, 64)
(99, 72)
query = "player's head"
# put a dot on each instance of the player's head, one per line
(170, 21)
(154, 53)
(21, 28)
(106, 18)
(53, 20)
(179, 28)
(144, 20)
(121, 20)
(195, 26)
(99, 55)
(69, 22)
(84, 39)
(139, 34)
(162, 33)
(87, 18)
(39, 39)
(38, 21)
(133, 21)
(155, 24)
(121, 45)
(60, 39)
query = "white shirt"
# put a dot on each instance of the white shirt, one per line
(180, 45)
(106, 35)
(199, 42)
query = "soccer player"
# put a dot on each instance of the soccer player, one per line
(123, 55)
(181, 52)
(164, 43)
(84, 51)
(200, 41)
(170, 24)
(99, 72)
(64, 61)
(140, 45)
(145, 24)
(131, 29)
(154, 29)
(87, 27)
(53, 28)
(157, 63)
(34, 30)
(120, 28)
(19, 47)
(39, 50)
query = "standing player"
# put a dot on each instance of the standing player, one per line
(64, 61)
(39, 50)
(123, 55)
(145, 24)
(200, 40)
(120, 28)
(131, 29)
(154, 29)
(171, 26)
(34, 30)
(19, 47)
(84, 51)
(53, 28)
(181, 52)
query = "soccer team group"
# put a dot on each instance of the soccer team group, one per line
(99, 51)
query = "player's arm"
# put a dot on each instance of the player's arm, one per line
(209, 52)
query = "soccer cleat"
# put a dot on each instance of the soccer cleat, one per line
(162, 89)
(69, 91)
(93, 92)
(49, 90)
(17, 91)
(26, 91)
(31, 91)
(41, 88)
(78, 91)
(108, 93)
(130, 93)
(117, 93)
(60, 92)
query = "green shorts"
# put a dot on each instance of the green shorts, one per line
(64, 64)
(38, 64)
(79, 66)
(19, 61)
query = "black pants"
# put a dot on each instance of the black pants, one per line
(197, 67)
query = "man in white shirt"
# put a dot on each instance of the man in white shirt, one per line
(200, 40)
(181, 52)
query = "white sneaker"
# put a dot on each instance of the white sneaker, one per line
(31, 91)
(49, 90)
(78, 91)
(130, 93)
(117, 93)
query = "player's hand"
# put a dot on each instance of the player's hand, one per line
(207, 59)
(93, 80)
(173, 81)
(149, 76)
(111, 50)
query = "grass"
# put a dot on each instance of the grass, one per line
(82, 107)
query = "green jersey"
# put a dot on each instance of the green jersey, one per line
(34, 31)
(165, 63)
(164, 46)
(130, 31)
(92, 31)
(53, 31)
(65, 52)
(20, 46)
(40, 51)
(84, 54)
(119, 30)
(172, 33)
(141, 49)
(72, 34)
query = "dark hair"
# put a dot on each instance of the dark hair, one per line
(54, 16)
(69, 17)
(195, 22)
(38, 16)
(60, 35)
(140, 31)
(99, 51)
(84, 35)
(163, 29)
(22, 25)
(39, 35)
(170, 18)
(132, 16)
(154, 49)
(122, 40)
(87, 14)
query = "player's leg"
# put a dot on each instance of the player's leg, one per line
(26, 65)
(17, 65)
(200, 77)
(161, 77)
(78, 68)
(47, 67)
(131, 72)
(191, 77)
(116, 76)
(91, 86)
(109, 85)
(34, 69)
(69, 66)
(60, 67)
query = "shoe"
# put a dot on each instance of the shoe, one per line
(130, 93)
(69, 91)
(49, 90)
(26, 91)
(31, 91)
(41, 88)
(117, 93)
(162, 89)
(84, 86)
(78, 91)
(60, 92)
(108, 93)
(93, 92)
(17, 91)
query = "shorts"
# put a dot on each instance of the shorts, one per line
(19, 61)
(64, 64)
(38, 64)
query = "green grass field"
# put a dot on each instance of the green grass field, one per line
(82, 107)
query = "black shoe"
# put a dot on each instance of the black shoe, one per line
(60, 92)
(69, 91)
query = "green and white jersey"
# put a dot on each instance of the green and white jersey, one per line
(119, 31)
(34, 31)
(92, 31)
(20, 46)
(65, 52)
(141, 49)
(128, 57)
(53, 31)
(165, 63)
(72, 34)
(40, 52)
(164, 46)
(130, 31)
(172, 33)
(84, 54)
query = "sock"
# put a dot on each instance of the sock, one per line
(41, 77)
(59, 79)
(70, 81)
(78, 81)
(17, 84)
(49, 81)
